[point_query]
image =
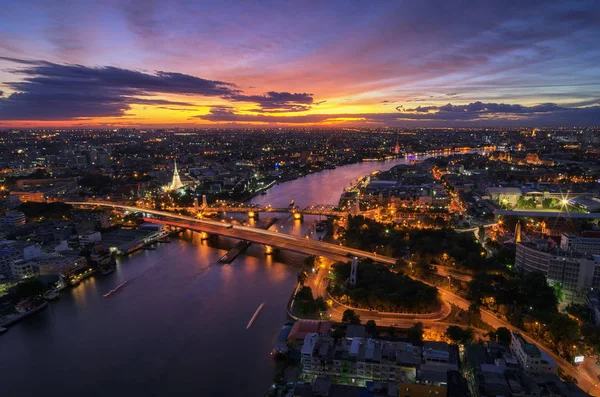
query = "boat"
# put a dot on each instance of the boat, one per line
(255, 315)
(23, 309)
(52, 294)
(108, 270)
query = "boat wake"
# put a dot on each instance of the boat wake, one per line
(112, 291)
(156, 263)
(255, 315)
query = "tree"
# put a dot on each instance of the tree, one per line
(504, 336)
(459, 335)
(29, 289)
(339, 331)
(415, 334)
(391, 331)
(371, 328)
(563, 331)
(474, 314)
(350, 317)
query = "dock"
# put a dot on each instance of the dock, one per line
(244, 244)
(235, 251)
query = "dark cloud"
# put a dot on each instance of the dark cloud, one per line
(487, 108)
(278, 102)
(474, 114)
(50, 91)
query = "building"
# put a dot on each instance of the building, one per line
(492, 370)
(89, 238)
(504, 195)
(302, 328)
(59, 264)
(574, 272)
(7, 257)
(592, 300)
(23, 197)
(21, 269)
(359, 359)
(438, 358)
(13, 219)
(587, 243)
(530, 357)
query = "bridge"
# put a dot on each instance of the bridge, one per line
(251, 209)
(271, 238)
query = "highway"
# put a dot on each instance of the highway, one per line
(337, 252)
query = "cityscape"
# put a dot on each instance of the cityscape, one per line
(298, 199)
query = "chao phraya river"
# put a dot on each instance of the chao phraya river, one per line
(175, 321)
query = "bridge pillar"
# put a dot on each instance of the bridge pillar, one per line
(252, 215)
(268, 250)
(298, 216)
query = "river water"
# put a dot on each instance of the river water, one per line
(175, 323)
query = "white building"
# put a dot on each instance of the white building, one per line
(14, 218)
(7, 257)
(587, 243)
(530, 357)
(21, 269)
(575, 272)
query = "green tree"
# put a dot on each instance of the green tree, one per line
(474, 314)
(29, 289)
(564, 333)
(504, 336)
(350, 317)
(415, 334)
(459, 335)
(371, 328)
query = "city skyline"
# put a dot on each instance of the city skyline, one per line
(299, 64)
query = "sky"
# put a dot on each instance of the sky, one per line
(180, 63)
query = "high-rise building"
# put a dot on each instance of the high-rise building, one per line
(573, 271)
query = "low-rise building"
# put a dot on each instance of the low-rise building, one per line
(359, 359)
(59, 264)
(530, 357)
(13, 218)
(21, 269)
(90, 237)
(7, 257)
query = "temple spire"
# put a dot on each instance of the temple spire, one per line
(176, 183)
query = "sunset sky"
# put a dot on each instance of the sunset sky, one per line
(301, 63)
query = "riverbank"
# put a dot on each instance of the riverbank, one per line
(11, 319)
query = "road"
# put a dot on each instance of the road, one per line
(337, 252)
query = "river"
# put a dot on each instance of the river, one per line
(175, 324)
